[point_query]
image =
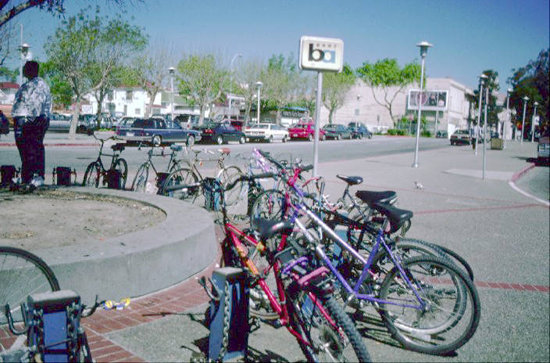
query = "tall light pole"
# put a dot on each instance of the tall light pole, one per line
(259, 86)
(436, 110)
(423, 51)
(24, 52)
(525, 99)
(508, 118)
(482, 79)
(172, 70)
(485, 130)
(231, 81)
(533, 119)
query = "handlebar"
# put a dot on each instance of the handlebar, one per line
(250, 178)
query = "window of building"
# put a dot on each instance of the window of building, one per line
(138, 111)
(129, 95)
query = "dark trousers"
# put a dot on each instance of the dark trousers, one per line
(29, 138)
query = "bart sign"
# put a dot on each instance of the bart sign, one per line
(321, 54)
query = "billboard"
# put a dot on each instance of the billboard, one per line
(321, 54)
(431, 100)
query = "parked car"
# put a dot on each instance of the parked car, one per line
(157, 131)
(337, 132)
(220, 133)
(266, 132)
(461, 137)
(543, 150)
(124, 123)
(305, 131)
(60, 123)
(359, 130)
(187, 120)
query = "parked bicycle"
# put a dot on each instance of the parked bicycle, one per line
(142, 176)
(427, 303)
(114, 177)
(303, 298)
(193, 180)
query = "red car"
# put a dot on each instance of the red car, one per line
(305, 131)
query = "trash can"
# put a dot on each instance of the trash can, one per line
(496, 144)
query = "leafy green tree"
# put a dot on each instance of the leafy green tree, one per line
(86, 50)
(60, 89)
(335, 88)
(492, 84)
(9, 74)
(281, 83)
(201, 78)
(390, 78)
(532, 81)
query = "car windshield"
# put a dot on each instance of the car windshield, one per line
(260, 126)
(326, 127)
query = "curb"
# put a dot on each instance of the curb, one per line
(521, 173)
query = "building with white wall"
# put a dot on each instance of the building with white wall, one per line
(364, 105)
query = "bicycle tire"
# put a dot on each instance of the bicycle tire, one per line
(225, 176)
(183, 176)
(326, 343)
(92, 175)
(22, 273)
(140, 180)
(122, 166)
(270, 204)
(424, 335)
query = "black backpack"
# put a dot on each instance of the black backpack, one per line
(4, 125)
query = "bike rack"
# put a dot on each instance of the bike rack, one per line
(229, 312)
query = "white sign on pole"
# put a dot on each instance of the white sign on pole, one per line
(321, 54)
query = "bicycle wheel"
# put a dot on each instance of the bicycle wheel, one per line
(22, 274)
(140, 180)
(270, 204)
(226, 176)
(92, 175)
(122, 166)
(185, 178)
(451, 311)
(336, 341)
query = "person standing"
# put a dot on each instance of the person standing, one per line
(31, 113)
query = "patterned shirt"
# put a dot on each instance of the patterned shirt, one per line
(33, 99)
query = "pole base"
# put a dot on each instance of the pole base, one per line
(415, 165)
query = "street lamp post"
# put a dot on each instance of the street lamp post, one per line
(172, 70)
(423, 51)
(436, 110)
(525, 99)
(231, 81)
(533, 119)
(482, 79)
(507, 117)
(485, 131)
(24, 51)
(259, 86)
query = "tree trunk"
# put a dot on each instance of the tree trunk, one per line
(74, 121)
(279, 116)
(201, 115)
(330, 116)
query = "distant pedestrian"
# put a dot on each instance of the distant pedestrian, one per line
(31, 113)
(474, 135)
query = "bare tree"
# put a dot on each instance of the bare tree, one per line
(246, 78)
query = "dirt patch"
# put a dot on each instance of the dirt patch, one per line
(57, 218)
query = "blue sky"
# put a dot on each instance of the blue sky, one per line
(469, 36)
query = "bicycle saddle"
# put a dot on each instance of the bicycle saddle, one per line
(351, 180)
(118, 147)
(224, 151)
(396, 216)
(385, 197)
(268, 228)
(175, 147)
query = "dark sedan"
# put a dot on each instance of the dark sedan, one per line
(337, 132)
(221, 133)
(158, 131)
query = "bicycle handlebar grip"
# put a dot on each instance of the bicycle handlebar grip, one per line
(262, 176)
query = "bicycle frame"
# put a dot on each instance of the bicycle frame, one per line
(114, 157)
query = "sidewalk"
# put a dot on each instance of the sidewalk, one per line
(503, 234)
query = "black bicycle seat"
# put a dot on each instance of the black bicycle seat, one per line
(385, 197)
(175, 147)
(268, 228)
(118, 147)
(396, 216)
(351, 180)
